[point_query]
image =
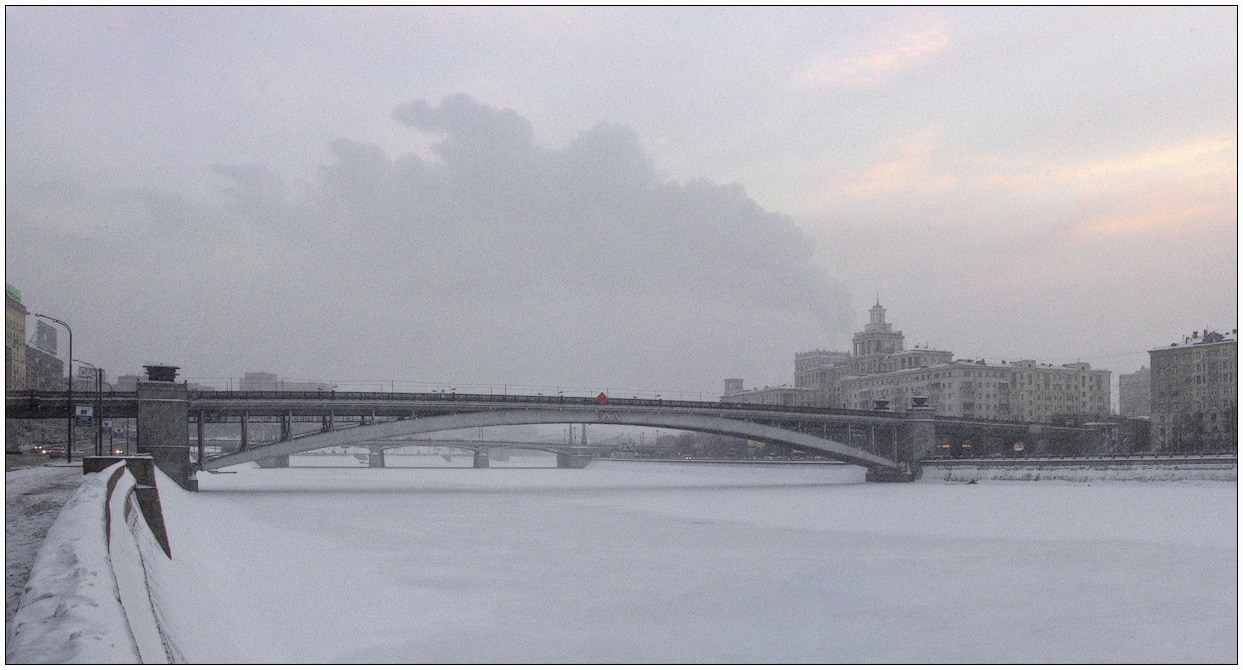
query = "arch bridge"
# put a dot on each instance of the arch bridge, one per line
(890, 444)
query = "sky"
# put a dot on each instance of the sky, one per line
(639, 199)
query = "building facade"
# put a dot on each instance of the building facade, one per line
(44, 372)
(1135, 393)
(14, 339)
(1195, 394)
(877, 349)
(1010, 391)
(881, 371)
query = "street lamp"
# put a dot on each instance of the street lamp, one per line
(69, 406)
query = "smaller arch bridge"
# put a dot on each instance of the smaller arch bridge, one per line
(568, 455)
(477, 445)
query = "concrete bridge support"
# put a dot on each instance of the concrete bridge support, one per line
(481, 458)
(163, 415)
(572, 460)
(375, 459)
(175, 462)
(920, 440)
(164, 430)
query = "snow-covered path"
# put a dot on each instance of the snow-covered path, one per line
(32, 499)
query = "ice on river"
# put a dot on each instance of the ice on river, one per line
(672, 563)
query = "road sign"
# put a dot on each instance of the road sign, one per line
(602, 399)
(84, 414)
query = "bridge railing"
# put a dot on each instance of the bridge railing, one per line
(369, 396)
(82, 394)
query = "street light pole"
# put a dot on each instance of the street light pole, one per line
(69, 407)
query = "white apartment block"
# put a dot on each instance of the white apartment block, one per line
(880, 367)
(1018, 391)
(1195, 397)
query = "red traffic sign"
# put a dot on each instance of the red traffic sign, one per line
(602, 399)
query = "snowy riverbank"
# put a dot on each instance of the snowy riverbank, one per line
(645, 562)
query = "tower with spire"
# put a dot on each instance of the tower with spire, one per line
(878, 336)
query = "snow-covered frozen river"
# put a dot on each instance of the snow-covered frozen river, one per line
(647, 562)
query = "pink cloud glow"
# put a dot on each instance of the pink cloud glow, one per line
(881, 61)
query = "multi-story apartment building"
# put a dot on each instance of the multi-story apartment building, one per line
(44, 372)
(14, 339)
(881, 368)
(1014, 391)
(877, 349)
(1195, 393)
(1135, 393)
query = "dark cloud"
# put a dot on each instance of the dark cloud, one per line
(497, 260)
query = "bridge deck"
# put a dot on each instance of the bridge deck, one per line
(226, 405)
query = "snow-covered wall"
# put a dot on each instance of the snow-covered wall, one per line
(89, 598)
(71, 610)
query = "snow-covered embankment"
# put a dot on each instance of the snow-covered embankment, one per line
(101, 589)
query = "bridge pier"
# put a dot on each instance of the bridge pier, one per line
(164, 430)
(920, 440)
(375, 459)
(175, 462)
(201, 419)
(481, 458)
(565, 460)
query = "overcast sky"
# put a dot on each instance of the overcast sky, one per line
(624, 198)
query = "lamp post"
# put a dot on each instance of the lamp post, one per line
(69, 405)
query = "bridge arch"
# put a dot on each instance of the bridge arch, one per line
(628, 416)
